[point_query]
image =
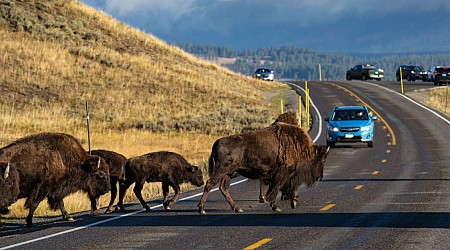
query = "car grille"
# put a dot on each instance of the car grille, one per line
(349, 129)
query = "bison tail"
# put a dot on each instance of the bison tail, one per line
(212, 158)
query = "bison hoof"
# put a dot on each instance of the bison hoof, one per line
(201, 211)
(96, 212)
(238, 210)
(167, 208)
(147, 208)
(70, 219)
(276, 209)
(293, 204)
(262, 200)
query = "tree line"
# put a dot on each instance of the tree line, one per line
(290, 62)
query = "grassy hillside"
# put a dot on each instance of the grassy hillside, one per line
(144, 94)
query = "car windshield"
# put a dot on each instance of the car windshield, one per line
(368, 67)
(442, 70)
(353, 114)
(418, 68)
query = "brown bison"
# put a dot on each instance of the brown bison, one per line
(288, 118)
(276, 155)
(52, 166)
(167, 167)
(9, 186)
(116, 163)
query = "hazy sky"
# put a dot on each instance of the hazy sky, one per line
(325, 25)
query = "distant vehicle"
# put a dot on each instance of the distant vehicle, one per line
(350, 124)
(430, 74)
(411, 73)
(264, 74)
(441, 75)
(365, 72)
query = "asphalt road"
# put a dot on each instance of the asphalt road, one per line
(395, 195)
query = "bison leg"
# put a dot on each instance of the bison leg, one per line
(165, 188)
(122, 190)
(32, 202)
(94, 209)
(176, 188)
(262, 197)
(225, 189)
(64, 213)
(209, 185)
(113, 195)
(137, 191)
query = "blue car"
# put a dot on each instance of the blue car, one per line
(350, 124)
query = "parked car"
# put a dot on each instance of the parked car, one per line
(365, 72)
(350, 124)
(264, 74)
(411, 73)
(441, 75)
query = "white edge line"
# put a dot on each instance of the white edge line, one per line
(107, 220)
(415, 102)
(315, 108)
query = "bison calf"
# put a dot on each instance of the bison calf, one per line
(9, 186)
(169, 168)
(116, 163)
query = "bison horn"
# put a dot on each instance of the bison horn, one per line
(98, 164)
(328, 149)
(6, 171)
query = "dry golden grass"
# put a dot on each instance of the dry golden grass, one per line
(144, 94)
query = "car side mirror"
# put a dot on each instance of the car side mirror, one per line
(327, 119)
(374, 117)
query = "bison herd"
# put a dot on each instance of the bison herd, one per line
(54, 165)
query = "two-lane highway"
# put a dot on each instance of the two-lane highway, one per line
(395, 195)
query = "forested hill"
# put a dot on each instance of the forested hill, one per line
(301, 63)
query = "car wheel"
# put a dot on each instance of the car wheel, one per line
(363, 77)
(398, 78)
(370, 144)
(408, 77)
(330, 144)
(348, 77)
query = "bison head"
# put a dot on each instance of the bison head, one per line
(9, 186)
(195, 175)
(98, 176)
(288, 118)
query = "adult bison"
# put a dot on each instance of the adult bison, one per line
(278, 154)
(288, 118)
(52, 166)
(167, 167)
(9, 186)
(116, 163)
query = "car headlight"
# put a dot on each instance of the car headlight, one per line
(334, 129)
(366, 128)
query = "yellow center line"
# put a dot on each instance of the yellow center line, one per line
(388, 151)
(391, 132)
(359, 187)
(383, 161)
(375, 172)
(258, 244)
(327, 207)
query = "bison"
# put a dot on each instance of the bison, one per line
(276, 155)
(116, 163)
(288, 118)
(167, 167)
(52, 166)
(9, 186)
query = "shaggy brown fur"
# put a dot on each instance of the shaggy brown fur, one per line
(116, 163)
(274, 155)
(167, 167)
(52, 166)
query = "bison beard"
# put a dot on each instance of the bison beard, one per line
(276, 155)
(52, 166)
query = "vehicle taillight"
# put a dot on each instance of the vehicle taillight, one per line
(435, 72)
(368, 71)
